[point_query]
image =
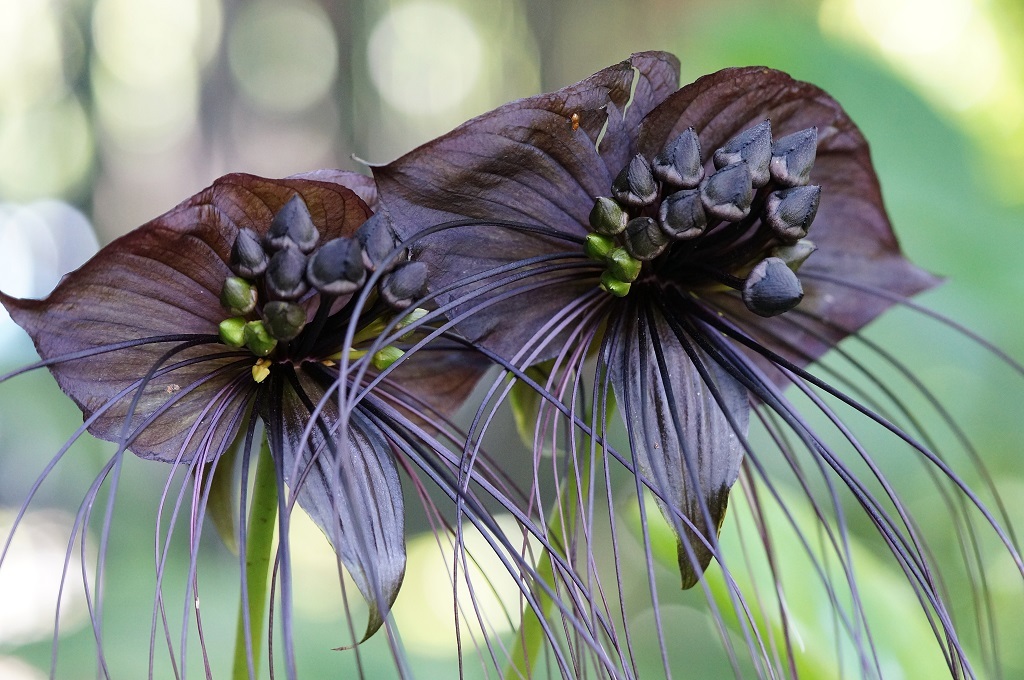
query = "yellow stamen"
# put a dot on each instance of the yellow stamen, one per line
(260, 370)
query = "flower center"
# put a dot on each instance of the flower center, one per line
(742, 226)
(289, 298)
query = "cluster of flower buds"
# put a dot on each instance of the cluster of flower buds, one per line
(744, 224)
(276, 275)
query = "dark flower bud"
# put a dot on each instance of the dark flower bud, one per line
(284, 320)
(727, 194)
(679, 164)
(789, 212)
(681, 215)
(286, 274)
(238, 296)
(405, 285)
(377, 240)
(607, 217)
(753, 145)
(793, 157)
(597, 246)
(623, 266)
(258, 339)
(293, 225)
(248, 259)
(635, 185)
(794, 255)
(337, 267)
(644, 238)
(772, 288)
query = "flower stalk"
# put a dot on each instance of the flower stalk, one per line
(259, 546)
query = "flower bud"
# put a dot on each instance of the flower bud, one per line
(794, 255)
(727, 194)
(238, 296)
(597, 246)
(644, 238)
(753, 145)
(284, 320)
(635, 185)
(607, 217)
(789, 212)
(293, 225)
(258, 340)
(612, 285)
(336, 267)
(624, 266)
(286, 274)
(248, 259)
(376, 240)
(385, 357)
(232, 331)
(681, 215)
(405, 285)
(793, 157)
(772, 288)
(679, 164)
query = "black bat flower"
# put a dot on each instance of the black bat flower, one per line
(241, 306)
(706, 244)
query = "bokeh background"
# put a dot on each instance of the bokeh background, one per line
(112, 111)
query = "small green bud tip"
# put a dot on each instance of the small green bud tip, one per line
(410, 319)
(385, 357)
(258, 339)
(796, 254)
(607, 216)
(612, 285)
(232, 331)
(598, 246)
(623, 266)
(238, 296)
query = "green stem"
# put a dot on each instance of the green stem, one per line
(561, 527)
(259, 545)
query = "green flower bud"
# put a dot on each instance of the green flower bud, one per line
(623, 266)
(238, 296)
(795, 254)
(232, 331)
(284, 320)
(386, 357)
(607, 216)
(258, 339)
(612, 285)
(598, 246)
